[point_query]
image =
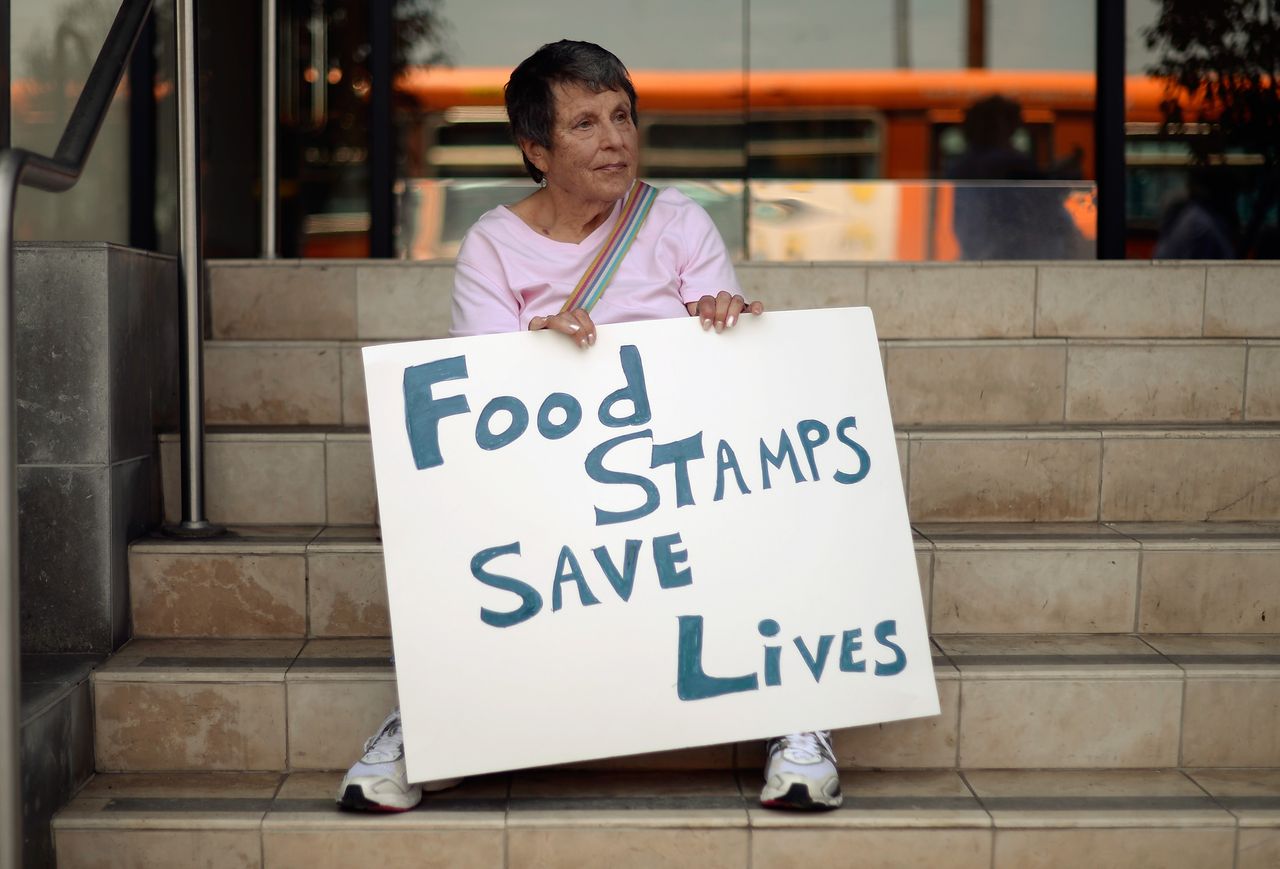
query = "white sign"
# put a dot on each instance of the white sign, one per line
(671, 538)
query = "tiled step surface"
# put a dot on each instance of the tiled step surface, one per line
(1015, 701)
(1041, 474)
(389, 300)
(261, 582)
(297, 582)
(297, 476)
(979, 819)
(1006, 382)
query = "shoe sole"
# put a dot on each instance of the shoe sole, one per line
(798, 798)
(354, 800)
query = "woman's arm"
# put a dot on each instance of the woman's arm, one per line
(482, 304)
(709, 287)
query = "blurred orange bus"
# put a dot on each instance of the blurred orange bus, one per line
(822, 125)
(893, 124)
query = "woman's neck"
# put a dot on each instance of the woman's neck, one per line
(561, 217)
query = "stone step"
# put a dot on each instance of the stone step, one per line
(956, 382)
(393, 300)
(979, 819)
(1060, 701)
(298, 582)
(56, 742)
(1035, 474)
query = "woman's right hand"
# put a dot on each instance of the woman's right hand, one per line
(576, 324)
(721, 310)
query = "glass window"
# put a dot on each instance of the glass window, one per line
(821, 130)
(456, 159)
(1040, 34)
(935, 34)
(53, 46)
(835, 34)
(1200, 176)
(870, 136)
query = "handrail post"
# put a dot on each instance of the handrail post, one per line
(381, 160)
(1108, 129)
(6, 72)
(270, 115)
(10, 650)
(190, 278)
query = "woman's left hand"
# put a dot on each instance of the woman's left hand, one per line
(721, 310)
(575, 323)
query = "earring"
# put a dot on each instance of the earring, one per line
(543, 182)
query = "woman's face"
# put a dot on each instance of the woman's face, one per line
(594, 145)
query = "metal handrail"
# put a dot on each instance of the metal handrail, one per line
(55, 174)
(270, 65)
(191, 280)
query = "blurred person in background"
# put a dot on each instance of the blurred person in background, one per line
(1020, 219)
(1204, 224)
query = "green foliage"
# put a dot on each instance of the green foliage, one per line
(420, 34)
(1226, 55)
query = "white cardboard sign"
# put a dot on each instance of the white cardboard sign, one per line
(672, 538)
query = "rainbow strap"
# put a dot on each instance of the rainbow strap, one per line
(598, 275)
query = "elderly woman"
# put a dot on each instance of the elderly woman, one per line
(533, 265)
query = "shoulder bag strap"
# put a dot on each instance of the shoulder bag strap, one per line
(635, 208)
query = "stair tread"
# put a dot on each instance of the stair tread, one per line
(1019, 702)
(1263, 428)
(972, 655)
(1182, 577)
(958, 340)
(223, 660)
(367, 538)
(698, 799)
(267, 539)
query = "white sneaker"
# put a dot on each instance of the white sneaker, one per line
(377, 782)
(800, 773)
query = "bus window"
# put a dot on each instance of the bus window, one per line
(791, 145)
(471, 142)
(1158, 164)
(691, 146)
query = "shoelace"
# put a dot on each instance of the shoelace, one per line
(386, 744)
(816, 743)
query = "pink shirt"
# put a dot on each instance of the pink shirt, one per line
(507, 273)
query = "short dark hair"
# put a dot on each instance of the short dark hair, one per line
(991, 122)
(531, 103)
